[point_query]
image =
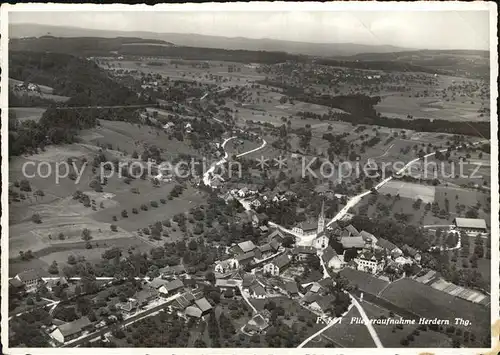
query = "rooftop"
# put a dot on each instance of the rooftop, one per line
(28, 275)
(258, 289)
(246, 246)
(328, 254)
(203, 304)
(353, 231)
(282, 260)
(304, 250)
(470, 223)
(384, 243)
(352, 242)
(74, 326)
(174, 285)
(193, 311)
(245, 256)
(291, 287)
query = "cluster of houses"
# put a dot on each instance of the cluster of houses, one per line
(29, 87)
(248, 254)
(372, 254)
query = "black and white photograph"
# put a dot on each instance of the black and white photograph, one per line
(235, 176)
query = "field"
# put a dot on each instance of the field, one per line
(28, 113)
(430, 303)
(409, 190)
(350, 335)
(390, 336)
(365, 281)
(60, 213)
(399, 106)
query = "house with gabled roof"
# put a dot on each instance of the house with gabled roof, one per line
(203, 305)
(257, 291)
(352, 231)
(30, 278)
(302, 252)
(71, 330)
(276, 235)
(278, 265)
(412, 252)
(256, 325)
(291, 288)
(244, 247)
(392, 249)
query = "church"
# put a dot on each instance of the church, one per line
(322, 239)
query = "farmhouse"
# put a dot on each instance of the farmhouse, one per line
(246, 259)
(470, 225)
(306, 228)
(384, 244)
(172, 286)
(330, 258)
(302, 252)
(256, 325)
(291, 288)
(257, 291)
(353, 242)
(71, 330)
(193, 311)
(352, 231)
(408, 250)
(203, 305)
(226, 265)
(244, 247)
(276, 235)
(30, 279)
(277, 266)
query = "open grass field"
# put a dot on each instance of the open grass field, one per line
(350, 335)
(392, 339)
(409, 190)
(28, 113)
(126, 201)
(365, 281)
(430, 303)
(430, 108)
(93, 255)
(130, 137)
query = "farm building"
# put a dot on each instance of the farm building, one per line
(470, 225)
(277, 266)
(71, 330)
(30, 279)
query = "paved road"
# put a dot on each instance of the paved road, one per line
(128, 321)
(367, 322)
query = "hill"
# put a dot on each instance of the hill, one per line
(83, 81)
(197, 40)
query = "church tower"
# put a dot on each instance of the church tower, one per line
(322, 239)
(321, 219)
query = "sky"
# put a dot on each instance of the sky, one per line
(410, 29)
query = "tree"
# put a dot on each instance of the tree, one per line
(86, 235)
(36, 218)
(61, 236)
(71, 259)
(135, 211)
(210, 277)
(124, 214)
(288, 241)
(113, 228)
(53, 269)
(24, 185)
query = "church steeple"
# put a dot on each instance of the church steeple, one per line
(321, 219)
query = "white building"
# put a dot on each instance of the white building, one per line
(276, 266)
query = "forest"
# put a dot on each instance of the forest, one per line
(90, 90)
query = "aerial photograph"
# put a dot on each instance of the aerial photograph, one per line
(249, 179)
